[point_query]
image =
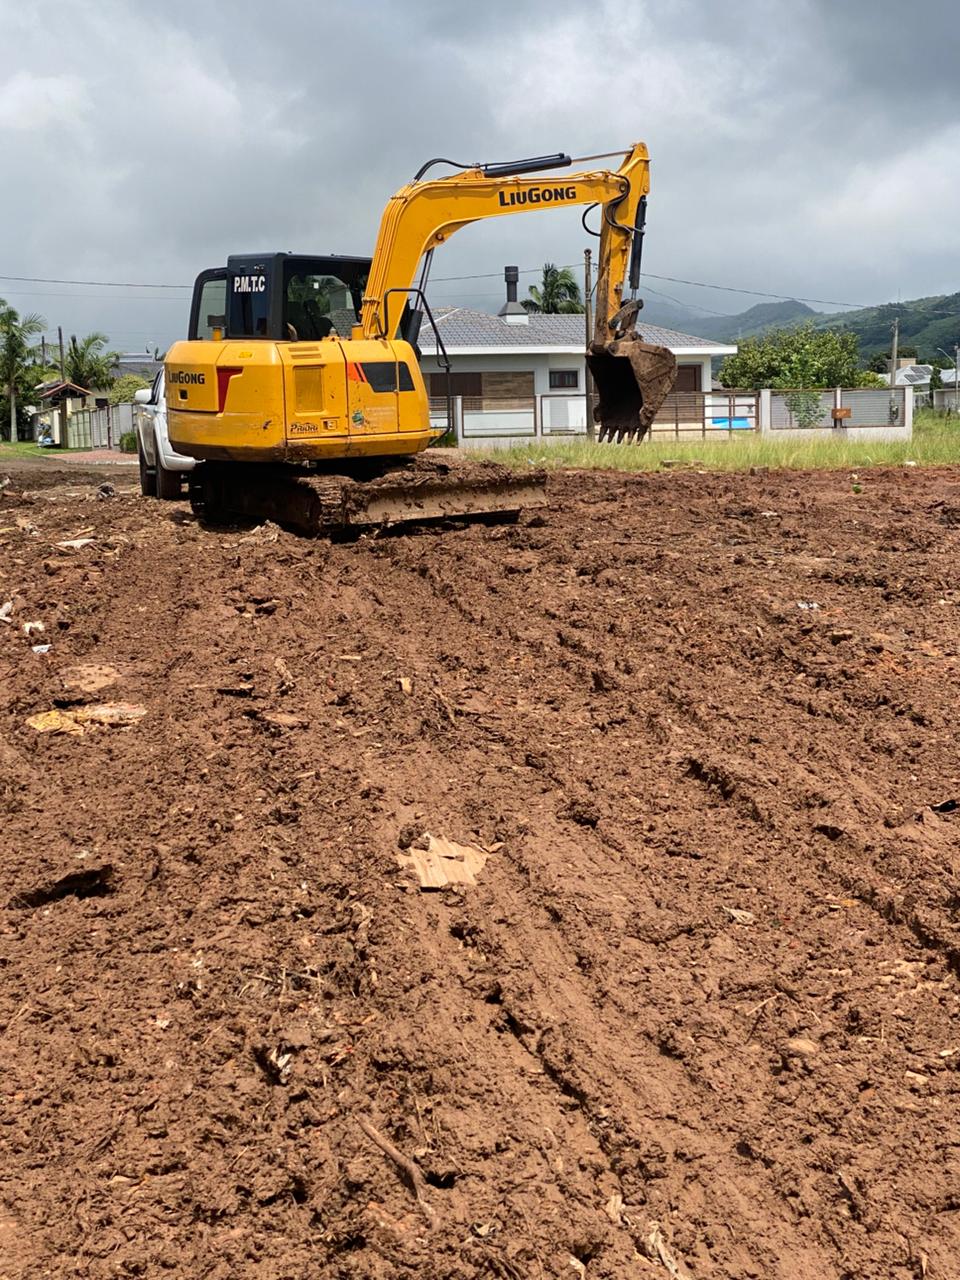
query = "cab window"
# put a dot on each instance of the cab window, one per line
(317, 306)
(209, 304)
(250, 302)
(213, 308)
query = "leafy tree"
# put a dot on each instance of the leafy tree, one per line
(19, 372)
(936, 381)
(797, 358)
(558, 292)
(88, 363)
(124, 388)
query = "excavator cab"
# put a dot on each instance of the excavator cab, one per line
(283, 297)
(271, 370)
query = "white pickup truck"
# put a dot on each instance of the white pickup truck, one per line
(162, 469)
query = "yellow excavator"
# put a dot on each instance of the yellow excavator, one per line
(299, 388)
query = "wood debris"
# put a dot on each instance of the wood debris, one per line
(76, 720)
(656, 1249)
(740, 917)
(89, 677)
(413, 1176)
(440, 862)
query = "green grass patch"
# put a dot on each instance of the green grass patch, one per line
(28, 449)
(22, 449)
(936, 442)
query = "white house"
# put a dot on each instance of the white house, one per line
(948, 397)
(911, 375)
(520, 374)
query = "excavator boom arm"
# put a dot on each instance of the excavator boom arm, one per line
(632, 377)
(423, 215)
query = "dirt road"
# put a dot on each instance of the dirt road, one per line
(698, 1017)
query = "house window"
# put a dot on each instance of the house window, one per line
(688, 378)
(461, 384)
(564, 379)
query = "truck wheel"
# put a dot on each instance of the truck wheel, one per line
(148, 477)
(169, 483)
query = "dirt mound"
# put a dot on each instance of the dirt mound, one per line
(698, 1015)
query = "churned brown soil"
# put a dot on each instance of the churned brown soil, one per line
(698, 1017)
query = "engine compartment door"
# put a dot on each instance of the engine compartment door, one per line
(315, 383)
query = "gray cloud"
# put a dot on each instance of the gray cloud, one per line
(804, 148)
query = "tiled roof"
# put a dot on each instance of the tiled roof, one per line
(56, 387)
(462, 327)
(143, 365)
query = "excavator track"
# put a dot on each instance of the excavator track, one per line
(436, 485)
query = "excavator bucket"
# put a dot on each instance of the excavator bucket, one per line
(632, 379)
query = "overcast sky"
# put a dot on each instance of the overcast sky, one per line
(802, 147)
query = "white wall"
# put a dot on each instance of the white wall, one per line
(945, 398)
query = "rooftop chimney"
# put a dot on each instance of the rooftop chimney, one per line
(511, 311)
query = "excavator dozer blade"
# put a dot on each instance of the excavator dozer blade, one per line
(632, 379)
(436, 485)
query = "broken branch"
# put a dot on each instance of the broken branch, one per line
(414, 1178)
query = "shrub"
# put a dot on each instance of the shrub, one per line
(124, 387)
(128, 442)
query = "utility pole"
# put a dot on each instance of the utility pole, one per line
(64, 429)
(588, 329)
(894, 349)
(893, 366)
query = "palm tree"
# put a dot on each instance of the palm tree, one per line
(88, 364)
(16, 356)
(558, 292)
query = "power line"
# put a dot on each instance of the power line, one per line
(101, 297)
(105, 284)
(680, 303)
(698, 284)
(758, 293)
(483, 275)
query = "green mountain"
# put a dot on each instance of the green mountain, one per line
(925, 323)
(758, 319)
(745, 324)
